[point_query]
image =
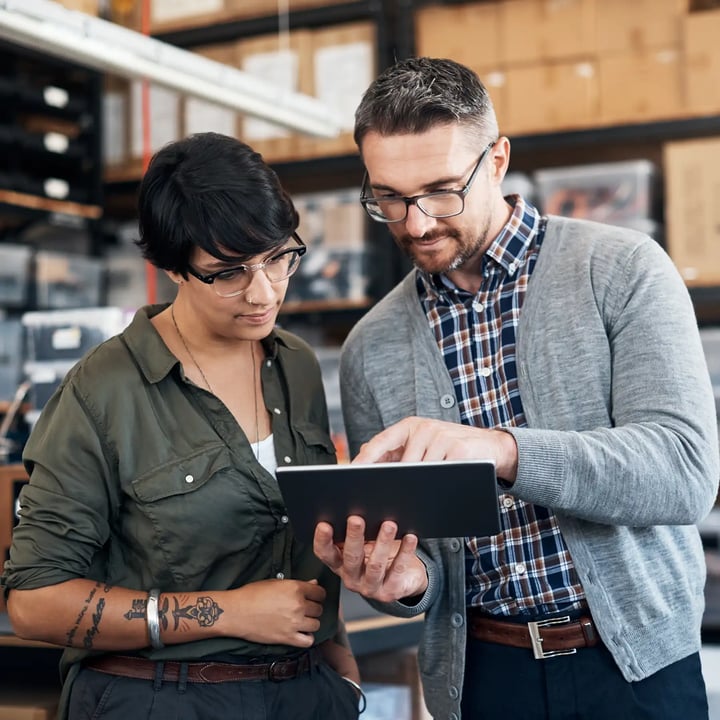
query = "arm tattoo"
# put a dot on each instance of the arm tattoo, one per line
(94, 629)
(205, 611)
(73, 631)
(137, 611)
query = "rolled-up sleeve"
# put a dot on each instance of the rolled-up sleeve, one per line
(64, 510)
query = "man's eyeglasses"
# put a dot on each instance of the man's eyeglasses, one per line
(438, 204)
(236, 280)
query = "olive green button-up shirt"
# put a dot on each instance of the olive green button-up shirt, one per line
(140, 479)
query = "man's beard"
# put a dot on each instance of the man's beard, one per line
(466, 248)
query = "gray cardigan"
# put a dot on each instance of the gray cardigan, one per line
(621, 441)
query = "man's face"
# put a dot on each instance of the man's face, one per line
(442, 158)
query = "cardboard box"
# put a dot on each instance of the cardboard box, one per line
(90, 7)
(637, 87)
(116, 121)
(541, 30)
(468, 33)
(283, 61)
(203, 116)
(692, 211)
(171, 15)
(495, 82)
(344, 64)
(334, 227)
(164, 118)
(701, 71)
(640, 25)
(550, 97)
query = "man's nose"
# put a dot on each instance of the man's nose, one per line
(417, 223)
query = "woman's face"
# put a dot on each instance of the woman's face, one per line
(249, 315)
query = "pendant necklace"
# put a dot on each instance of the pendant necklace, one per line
(207, 382)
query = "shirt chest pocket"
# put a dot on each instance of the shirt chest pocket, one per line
(316, 446)
(192, 511)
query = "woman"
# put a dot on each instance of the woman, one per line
(153, 541)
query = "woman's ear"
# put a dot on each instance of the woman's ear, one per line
(177, 278)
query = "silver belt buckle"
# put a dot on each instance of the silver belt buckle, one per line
(536, 638)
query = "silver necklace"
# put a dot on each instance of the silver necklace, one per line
(207, 382)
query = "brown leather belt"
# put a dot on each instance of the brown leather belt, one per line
(201, 672)
(546, 638)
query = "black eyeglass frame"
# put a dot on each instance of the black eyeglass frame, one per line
(209, 279)
(414, 199)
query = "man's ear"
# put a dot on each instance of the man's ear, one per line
(500, 159)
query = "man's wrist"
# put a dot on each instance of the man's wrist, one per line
(507, 464)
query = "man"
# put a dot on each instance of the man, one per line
(566, 351)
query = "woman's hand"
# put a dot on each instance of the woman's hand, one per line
(278, 612)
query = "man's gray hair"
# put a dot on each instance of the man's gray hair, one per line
(418, 94)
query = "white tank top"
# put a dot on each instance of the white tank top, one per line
(264, 451)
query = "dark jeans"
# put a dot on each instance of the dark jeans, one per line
(318, 695)
(505, 683)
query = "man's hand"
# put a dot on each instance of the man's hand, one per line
(386, 569)
(417, 439)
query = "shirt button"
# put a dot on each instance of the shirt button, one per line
(486, 371)
(268, 363)
(454, 545)
(447, 401)
(508, 501)
(287, 459)
(189, 479)
(453, 692)
(456, 620)
(478, 306)
(280, 576)
(277, 411)
(512, 268)
(520, 569)
(284, 519)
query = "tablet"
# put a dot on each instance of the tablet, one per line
(431, 499)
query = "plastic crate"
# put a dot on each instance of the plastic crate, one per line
(616, 193)
(66, 335)
(65, 281)
(15, 264)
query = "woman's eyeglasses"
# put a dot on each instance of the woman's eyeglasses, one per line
(236, 280)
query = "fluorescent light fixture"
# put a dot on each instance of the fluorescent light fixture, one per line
(50, 28)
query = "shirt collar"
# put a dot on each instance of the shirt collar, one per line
(156, 361)
(507, 250)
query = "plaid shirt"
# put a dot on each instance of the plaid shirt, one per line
(526, 569)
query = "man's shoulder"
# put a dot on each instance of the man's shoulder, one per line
(577, 233)
(384, 316)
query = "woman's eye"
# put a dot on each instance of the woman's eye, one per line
(230, 274)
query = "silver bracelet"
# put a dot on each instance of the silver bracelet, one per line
(153, 619)
(360, 693)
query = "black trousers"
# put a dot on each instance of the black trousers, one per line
(318, 695)
(505, 683)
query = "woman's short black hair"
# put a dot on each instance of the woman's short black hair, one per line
(214, 192)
